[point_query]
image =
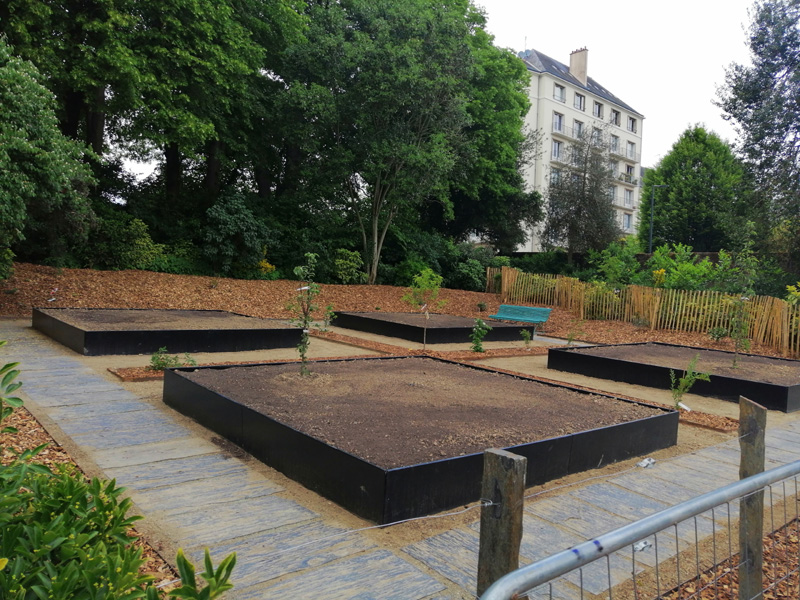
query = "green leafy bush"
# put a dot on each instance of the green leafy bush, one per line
(63, 537)
(349, 266)
(234, 238)
(680, 386)
(479, 331)
(161, 360)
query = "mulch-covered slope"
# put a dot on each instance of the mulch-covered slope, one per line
(34, 285)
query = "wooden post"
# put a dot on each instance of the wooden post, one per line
(752, 424)
(501, 522)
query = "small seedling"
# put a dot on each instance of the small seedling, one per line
(717, 333)
(739, 329)
(328, 317)
(303, 305)
(161, 360)
(526, 337)
(481, 306)
(479, 331)
(423, 295)
(576, 329)
(682, 385)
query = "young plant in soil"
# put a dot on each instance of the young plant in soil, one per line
(526, 337)
(161, 360)
(479, 331)
(682, 385)
(576, 329)
(303, 305)
(423, 295)
(739, 328)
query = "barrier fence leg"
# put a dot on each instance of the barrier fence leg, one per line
(501, 522)
(752, 424)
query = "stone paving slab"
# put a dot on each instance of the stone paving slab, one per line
(453, 554)
(109, 438)
(176, 470)
(81, 411)
(128, 456)
(52, 397)
(126, 421)
(237, 518)
(266, 556)
(198, 494)
(378, 574)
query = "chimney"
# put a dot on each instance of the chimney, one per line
(577, 65)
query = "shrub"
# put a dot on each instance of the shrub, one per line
(349, 267)
(469, 275)
(717, 333)
(160, 360)
(234, 238)
(64, 537)
(479, 331)
(303, 305)
(683, 384)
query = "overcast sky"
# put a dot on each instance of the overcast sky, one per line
(665, 59)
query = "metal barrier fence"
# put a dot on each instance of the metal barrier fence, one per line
(686, 551)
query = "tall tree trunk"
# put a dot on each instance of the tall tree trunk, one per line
(211, 182)
(263, 179)
(73, 109)
(173, 170)
(96, 122)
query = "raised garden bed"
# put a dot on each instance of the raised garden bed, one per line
(442, 329)
(391, 438)
(99, 331)
(772, 382)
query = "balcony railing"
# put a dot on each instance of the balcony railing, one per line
(627, 178)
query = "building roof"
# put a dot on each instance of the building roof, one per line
(541, 63)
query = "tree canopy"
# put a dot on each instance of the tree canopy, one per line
(705, 201)
(761, 100)
(44, 179)
(579, 212)
(354, 124)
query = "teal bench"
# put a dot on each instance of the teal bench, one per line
(526, 314)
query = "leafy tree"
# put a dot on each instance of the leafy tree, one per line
(579, 212)
(761, 101)
(385, 81)
(706, 201)
(44, 181)
(235, 240)
(488, 193)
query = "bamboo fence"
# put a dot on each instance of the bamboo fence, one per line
(769, 321)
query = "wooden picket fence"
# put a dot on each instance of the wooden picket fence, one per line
(770, 321)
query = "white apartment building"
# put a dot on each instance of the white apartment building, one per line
(565, 104)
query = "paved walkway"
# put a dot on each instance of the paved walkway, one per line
(195, 494)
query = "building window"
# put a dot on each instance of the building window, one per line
(597, 135)
(632, 124)
(615, 143)
(627, 222)
(612, 193)
(615, 119)
(597, 111)
(577, 131)
(580, 101)
(555, 176)
(557, 150)
(628, 198)
(558, 122)
(559, 93)
(614, 166)
(631, 151)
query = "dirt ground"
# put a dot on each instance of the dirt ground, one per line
(44, 286)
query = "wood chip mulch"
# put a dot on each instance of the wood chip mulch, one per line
(780, 572)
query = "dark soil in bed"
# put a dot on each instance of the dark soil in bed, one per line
(714, 362)
(102, 319)
(405, 411)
